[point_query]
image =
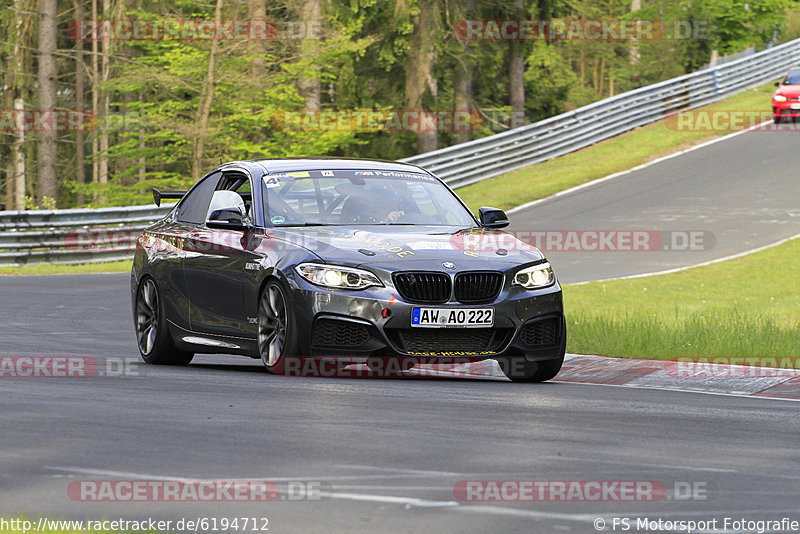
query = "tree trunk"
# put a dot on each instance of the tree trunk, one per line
(48, 187)
(257, 11)
(419, 70)
(309, 86)
(206, 98)
(142, 163)
(636, 5)
(516, 76)
(105, 69)
(95, 106)
(80, 173)
(463, 77)
(463, 92)
(602, 77)
(15, 169)
(18, 159)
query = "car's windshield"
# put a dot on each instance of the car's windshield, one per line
(350, 197)
(793, 78)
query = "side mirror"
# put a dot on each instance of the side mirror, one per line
(227, 219)
(492, 217)
(777, 84)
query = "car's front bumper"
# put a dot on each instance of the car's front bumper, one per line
(376, 322)
(784, 110)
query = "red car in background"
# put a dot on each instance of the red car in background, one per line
(786, 99)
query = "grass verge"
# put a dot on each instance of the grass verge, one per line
(748, 307)
(50, 268)
(607, 157)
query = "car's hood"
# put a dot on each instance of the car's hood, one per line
(412, 247)
(789, 91)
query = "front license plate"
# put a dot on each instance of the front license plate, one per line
(452, 317)
(794, 106)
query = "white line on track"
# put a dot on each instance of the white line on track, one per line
(145, 476)
(107, 473)
(678, 390)
(637, 464)
(400, 470)
(390, 499)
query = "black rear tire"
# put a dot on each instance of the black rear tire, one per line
(152, 334)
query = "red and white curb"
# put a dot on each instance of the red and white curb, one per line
(698, 375)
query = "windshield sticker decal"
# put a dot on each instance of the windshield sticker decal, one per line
(272, 181)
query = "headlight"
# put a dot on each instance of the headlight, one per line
(336, 277)
(535, 277)
(779, 98)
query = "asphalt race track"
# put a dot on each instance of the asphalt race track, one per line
(735, 195)
(385, 454)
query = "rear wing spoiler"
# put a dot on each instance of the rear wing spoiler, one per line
(158, 195)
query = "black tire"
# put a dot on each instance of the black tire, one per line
(277, 329)
(519, 369)
(152, 335)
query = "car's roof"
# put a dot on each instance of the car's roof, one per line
(273, 165)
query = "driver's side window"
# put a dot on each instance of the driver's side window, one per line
(194, 206)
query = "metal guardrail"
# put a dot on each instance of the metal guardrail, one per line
(73, 236)
(84, 235)
(471, 162)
